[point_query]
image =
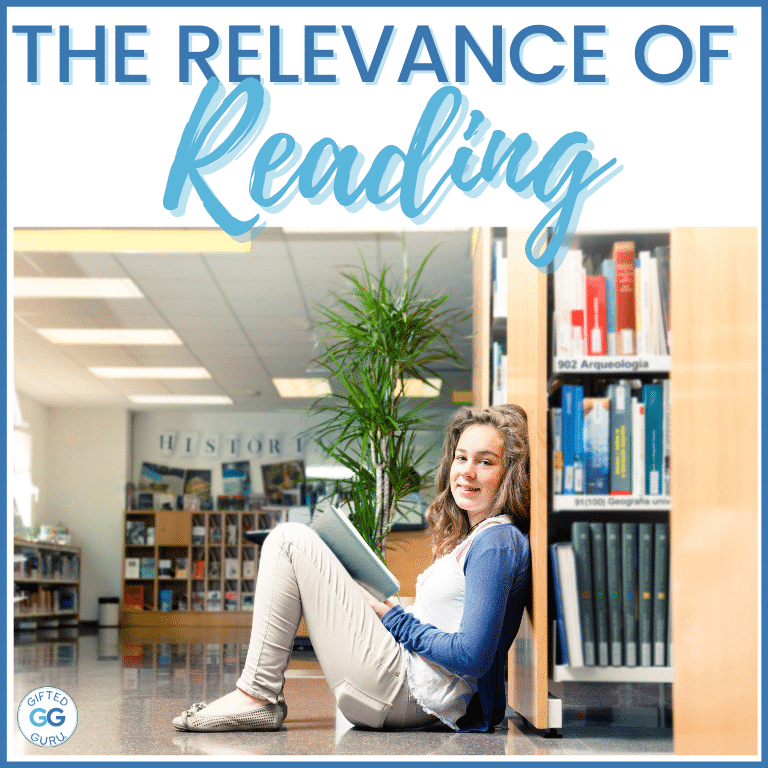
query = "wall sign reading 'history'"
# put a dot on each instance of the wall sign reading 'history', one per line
(229, 446)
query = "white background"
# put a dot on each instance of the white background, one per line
(89, 154)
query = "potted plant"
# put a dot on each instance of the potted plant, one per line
(378, 337)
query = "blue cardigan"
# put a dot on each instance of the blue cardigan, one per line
(497, 573)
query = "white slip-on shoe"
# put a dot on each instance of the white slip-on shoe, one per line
(267, 718)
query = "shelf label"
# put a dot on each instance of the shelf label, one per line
(564, 502)
(611, 364)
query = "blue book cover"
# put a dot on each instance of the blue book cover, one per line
(561, 656)
(629, 591)
(653, 398)
(609, 271)
(573, 438)
(600, 592)
(166, 598)
(556, 415)
(597, 422)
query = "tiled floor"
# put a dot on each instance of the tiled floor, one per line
(128, 687)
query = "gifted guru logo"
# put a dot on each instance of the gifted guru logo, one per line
(47, 717)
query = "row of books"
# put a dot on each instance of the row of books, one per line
(47, 565)
(233, 568)
(139, 567)
(611, 595)
(138, 533)
(499, 275)
(614, 444)
(214, 534)
(202, 600)
(178, 568)
(623, 310)
(212, 601)
(46, 601)
(498, 374)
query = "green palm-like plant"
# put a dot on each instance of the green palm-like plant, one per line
(378, 335)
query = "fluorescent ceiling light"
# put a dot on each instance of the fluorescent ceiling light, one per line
(180, 399)
(302, 387)
(75, 288)
(150, 373)
(110, 335)
(418, 388)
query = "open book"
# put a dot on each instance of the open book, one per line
(356, 556)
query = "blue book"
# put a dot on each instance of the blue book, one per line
(653, 399)
(556, 415)
(660, 589)
(629, 591)
(613, 568)
(573, 438)
(166, 599)
(609, 271)
(597, 423)
(600, 592)
(562, 642)
(645, 593)
(582, 550)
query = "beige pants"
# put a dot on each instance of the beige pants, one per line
(362, 662)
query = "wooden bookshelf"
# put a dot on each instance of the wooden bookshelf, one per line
(712, 506)
(212, 539)
(408, 554)
(47, 584)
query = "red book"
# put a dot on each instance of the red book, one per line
(577, 332)
(133, 597)
(596, 330)
(199, 569)
(624, 261)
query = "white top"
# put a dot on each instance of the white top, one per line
(440, 602)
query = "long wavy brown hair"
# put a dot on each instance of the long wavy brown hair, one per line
(449, 523)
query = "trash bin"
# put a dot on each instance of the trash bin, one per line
(109, 611)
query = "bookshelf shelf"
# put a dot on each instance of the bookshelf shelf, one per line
(519, 358)
(47, 583)
(565, 674)
(715, 477)
(203, 568)
(597, 503)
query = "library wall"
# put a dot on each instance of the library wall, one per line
(87, 458)
(148, 426)
(36, 416)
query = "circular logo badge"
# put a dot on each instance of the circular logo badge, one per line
(47, 717)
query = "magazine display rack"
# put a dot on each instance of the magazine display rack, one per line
(714, 365)
(46, 585)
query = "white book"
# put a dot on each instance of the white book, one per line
(561, 321)
(638, 447)
(566, 565)
(361, 562)
(131, 567)
(659, 342)
(500, 273)
(231, 568)
(645, 337)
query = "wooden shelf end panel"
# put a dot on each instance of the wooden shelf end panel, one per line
(714, 520)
